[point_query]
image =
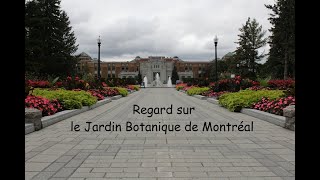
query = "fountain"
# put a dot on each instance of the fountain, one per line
(145, 80)
(169, 84)
(157, 82)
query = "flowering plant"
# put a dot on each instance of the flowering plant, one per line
(281, 84)
(48, 107)
(274, 106)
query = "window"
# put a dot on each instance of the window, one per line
(109, 75)
(123, 77)
(113, 75)
(189, 76)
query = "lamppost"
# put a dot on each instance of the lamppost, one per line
(238, 65)
(99, 44)
(215, 45)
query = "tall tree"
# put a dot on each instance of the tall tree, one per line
(139, 78)
(281, 59)
(49, 39)
(174, 75)
(251, 38)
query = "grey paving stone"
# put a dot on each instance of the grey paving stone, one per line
(266, 153)
(64, 172)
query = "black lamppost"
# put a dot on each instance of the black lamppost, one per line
(99, 44)
(238, 68)
(215, 46)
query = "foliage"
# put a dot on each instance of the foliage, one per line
(49, 40)
(281, 60)
(48, 107)
(256, 88)
(75, 83)
(119, 82)
(211, 93)
(139, 78)
(96, 93)
(174, 75)
(245, 98)
(38, 84)
(232, 84)
(122, 91)
(134, 87)
(251, 38)
(197, 90)
(109, 91)
(281, 84)
(180, 86)
(274, 106)
(264, 81)
(68, 99)
(196, 81)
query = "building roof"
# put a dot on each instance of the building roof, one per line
(83, 54)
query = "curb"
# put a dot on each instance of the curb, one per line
(29, 128)
(116, 97)
(49, 120)
(200, 97)
(271, 118)
(213, 101)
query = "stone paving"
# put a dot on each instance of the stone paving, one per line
(57, 153)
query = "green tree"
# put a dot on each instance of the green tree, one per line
(49, 39)
(251, 38)
(174, 75)
(281, 60)
(139, 79)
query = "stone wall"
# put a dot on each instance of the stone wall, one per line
(33, 116)
(290, 114)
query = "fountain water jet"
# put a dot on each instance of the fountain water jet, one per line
(169, 84)
(157, 82)
(145, 80)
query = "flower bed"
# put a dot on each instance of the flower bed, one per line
(68, 99)
(180, 86)
(122, 91)
(211, 93)
(245, 98)
(274, 106)
(48, 107)
(196, 90)
(281, 84)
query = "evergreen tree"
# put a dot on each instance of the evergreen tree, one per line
(139, 79)
(49, 40)
(174, 75)
(251, 38)
(281, 59)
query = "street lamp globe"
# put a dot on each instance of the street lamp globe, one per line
(99, 40)
(215, 39)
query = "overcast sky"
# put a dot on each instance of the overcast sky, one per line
(183, 28)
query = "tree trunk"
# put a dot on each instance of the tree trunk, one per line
(285, 66)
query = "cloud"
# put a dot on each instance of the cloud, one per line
(161, 27)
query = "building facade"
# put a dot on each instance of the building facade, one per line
(148, 67)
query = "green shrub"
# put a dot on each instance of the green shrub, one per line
(136, 87)
(245, 98)
(122, 91)
(197, 90)
(264, 82)
(71, 104)
(69, 99)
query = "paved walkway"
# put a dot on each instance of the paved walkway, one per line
(56, 152)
